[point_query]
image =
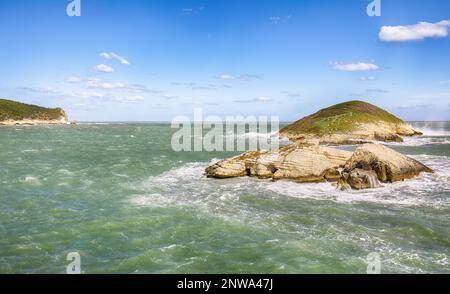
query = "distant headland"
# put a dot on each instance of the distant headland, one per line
(16, 113)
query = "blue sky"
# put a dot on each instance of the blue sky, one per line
(153, 60)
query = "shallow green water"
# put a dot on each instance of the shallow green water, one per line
(118, 195)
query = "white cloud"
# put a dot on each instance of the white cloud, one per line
(132, 99)
(241, 77)
(291, 94)
(95, 83)
(191, 11)
(86, 94)
(361, 66)
(74, 80)
(263, 99)
(280, 19)
(46, 90)
(258, 99)
(416, 32)
(103, 68)
(377, 91)
(112, 55)
(168, 97)
(366, 79)
(226, 77)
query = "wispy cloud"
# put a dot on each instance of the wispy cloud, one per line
(240, 77)
(131, 99)
(377, 91)
(255, 100)
(95, 83)
(192, 10)
(107, 97)
(87, 94)
(114, 56)
(280, 19)
(291, 94)
(416, 32)
(103, 68)
(74, 80)
(168, 97)
(361, 66)
(207, 87)
(367, 79)
(46, 90)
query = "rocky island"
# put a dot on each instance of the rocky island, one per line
(16, 113)
(352, 122)
(306, 160)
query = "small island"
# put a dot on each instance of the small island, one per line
(353, 122)
(16, 113)
(307, 160)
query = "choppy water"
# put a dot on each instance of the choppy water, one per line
(118, 195)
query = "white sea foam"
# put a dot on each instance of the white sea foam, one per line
(188, 186)
(420, 141)
(32, 180)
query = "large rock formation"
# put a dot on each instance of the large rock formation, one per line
(301, 162)
(375, 159)
(353, 122)
(306, 161)
(16, 113)
(369, 165)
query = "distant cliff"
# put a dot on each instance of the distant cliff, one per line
(16, 113)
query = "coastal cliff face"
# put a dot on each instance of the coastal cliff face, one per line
(16, 113)
(306, 160)
(349, 123)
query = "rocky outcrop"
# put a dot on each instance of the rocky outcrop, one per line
(301, 162)
(238, 166)
(369, 165)
(388, 165)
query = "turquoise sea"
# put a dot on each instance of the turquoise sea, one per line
(118, 195)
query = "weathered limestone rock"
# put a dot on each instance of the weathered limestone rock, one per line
(238, 166)
(369, 165)
(299, 162)
(310, 163)
(387, 164)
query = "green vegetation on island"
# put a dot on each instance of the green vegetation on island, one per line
(340, 119)
(16, 111)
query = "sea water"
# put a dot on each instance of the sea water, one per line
(119, 196)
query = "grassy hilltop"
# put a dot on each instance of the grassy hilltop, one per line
(340, 119)
(16, 111)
